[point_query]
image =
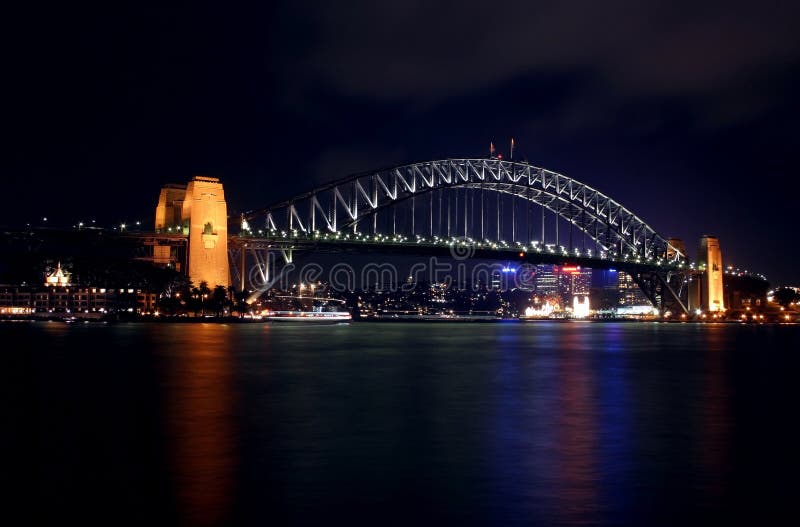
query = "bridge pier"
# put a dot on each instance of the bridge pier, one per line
(707, 293)
(198, 211)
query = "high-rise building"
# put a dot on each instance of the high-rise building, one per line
(564, 281)
(605, 288)
(546, 280)
(630, 294)
(496, 283)
(581, 281)
(573, 280)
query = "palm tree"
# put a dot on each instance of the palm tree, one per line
(203, 292)
(219, 298)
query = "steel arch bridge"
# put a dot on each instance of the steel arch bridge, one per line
(494, 207)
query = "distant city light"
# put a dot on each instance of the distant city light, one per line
(580, 309)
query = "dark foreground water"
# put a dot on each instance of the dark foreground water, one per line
(402, 424)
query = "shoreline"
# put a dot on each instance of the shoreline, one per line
(464, 320)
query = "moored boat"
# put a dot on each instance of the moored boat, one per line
(306, 310)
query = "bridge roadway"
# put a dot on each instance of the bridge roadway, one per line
(455, 248)
(458, 248)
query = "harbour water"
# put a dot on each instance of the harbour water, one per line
(403, 424)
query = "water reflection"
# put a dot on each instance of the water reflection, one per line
(521, 430)
(714, 416)
(576, 430)
(543, 434)
(610, 424)
(615, 422)
(200, 422)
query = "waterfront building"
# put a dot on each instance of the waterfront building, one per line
(18, 299)
(57, 278)
(580, 306)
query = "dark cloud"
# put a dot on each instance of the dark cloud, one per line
(408, 49)
(684, 111)
(332, 164)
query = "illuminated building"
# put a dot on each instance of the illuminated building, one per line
(573, 280)
(76, 300)
(629, 292)
(564, 281)
(580, 309)
(581, 281)
(57, 278)
(496, 281)
(543, 311)
(546, 280)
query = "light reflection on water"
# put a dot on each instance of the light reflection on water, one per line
(200, 421)
(511, 424)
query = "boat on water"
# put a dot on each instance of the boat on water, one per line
(306, 310)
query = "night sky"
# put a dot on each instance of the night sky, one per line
(685, 113)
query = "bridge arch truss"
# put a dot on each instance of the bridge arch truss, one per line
(356, 202)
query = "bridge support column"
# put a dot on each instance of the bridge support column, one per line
(205, 214)
(709, 260)
(197, 210)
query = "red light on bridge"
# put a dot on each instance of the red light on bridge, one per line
(521, 255)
